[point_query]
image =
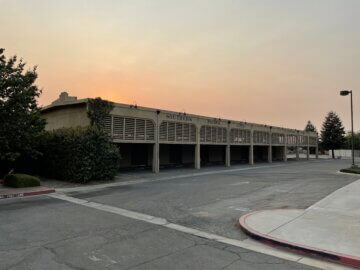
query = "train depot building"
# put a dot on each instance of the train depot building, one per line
(154, 138)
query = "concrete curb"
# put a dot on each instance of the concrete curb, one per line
(339, 172)
(26, 193)
(298, 248)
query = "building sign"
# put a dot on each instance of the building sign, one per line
(214, 121)
(241, 125)
(179, 117)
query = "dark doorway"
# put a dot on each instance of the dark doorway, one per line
(212, 154)
(260, 153)
(177, 155)
(278, 153)
(239, 154)
(135, 155)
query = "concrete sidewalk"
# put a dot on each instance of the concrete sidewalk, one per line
(329, 229)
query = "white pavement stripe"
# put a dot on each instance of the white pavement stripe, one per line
(248, 244)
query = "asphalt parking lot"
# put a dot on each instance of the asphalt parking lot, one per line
(48, 233)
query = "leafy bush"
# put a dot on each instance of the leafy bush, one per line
(79, 155)
(21, 180)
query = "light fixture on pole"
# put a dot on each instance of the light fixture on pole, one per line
(345, 93)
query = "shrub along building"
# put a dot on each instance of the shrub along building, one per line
(157, 138)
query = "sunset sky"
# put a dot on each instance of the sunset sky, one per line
(277, 62)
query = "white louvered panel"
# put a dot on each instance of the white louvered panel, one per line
(248, 134)
(140, 129)
(282, 139)
(192, 133)
(171, 132)
(208, 133)
(219, 135)
(255, 136)
(224, 133)
(275, 138)
(202, 134)
(179, 132)
(129, 128)
(244, 136)
(163, 131)
(118, 127)
(232, 135)
(149, 130)
(186, 132)
(107, 124)
(213, 134)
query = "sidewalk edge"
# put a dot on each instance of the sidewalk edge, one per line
(25, 194)
(298, 248)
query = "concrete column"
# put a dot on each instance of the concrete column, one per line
(251, 149)
(285, 149)
(227, 156)
(308, 148)
(270, 154)
(297, 152)
(156, 159)
(297, 147)
(197, 149)
(227, 153)
(197, 156)
(270, 148)
(156, 155)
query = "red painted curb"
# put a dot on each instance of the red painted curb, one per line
(298, 248)
(25, 194)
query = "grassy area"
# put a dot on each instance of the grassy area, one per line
(21, 180)
(355, 170)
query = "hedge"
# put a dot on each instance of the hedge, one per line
(21, 180)
(78, 155)
(351, 170)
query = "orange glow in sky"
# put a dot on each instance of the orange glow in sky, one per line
(276, 62)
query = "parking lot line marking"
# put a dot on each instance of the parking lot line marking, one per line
(248, 244)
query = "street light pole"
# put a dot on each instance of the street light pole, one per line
(352, 130)
(345, 93)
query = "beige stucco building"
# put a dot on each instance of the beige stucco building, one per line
(157, 138)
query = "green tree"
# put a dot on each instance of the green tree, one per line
(20, 119)
(356, 140)
(332, 133)
(98, 109)
(310, 127)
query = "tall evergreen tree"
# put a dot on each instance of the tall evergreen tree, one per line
(20, 119)
(310, 127)
(332, 133)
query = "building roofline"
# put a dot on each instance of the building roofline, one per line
(123, 105)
